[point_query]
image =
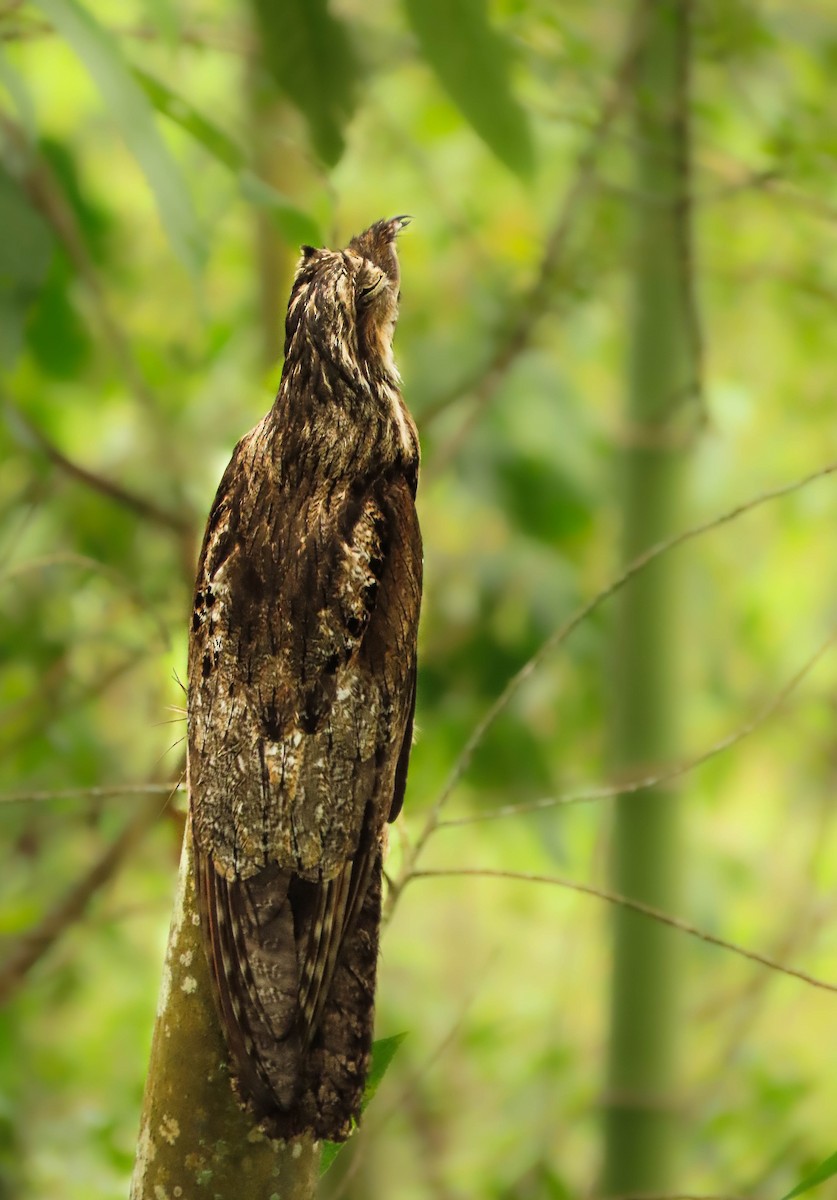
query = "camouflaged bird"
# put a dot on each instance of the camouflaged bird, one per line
(302, 673)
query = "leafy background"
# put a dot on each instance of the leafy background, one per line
(160, 164)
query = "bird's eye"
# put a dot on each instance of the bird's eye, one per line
(365, 293)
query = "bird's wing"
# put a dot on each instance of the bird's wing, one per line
(302, 676)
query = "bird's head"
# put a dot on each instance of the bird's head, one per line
(344, 303)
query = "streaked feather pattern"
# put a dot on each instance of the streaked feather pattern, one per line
(301, 694)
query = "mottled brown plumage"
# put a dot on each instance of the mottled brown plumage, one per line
(302, 667)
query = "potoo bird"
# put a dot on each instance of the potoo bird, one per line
(302, 675)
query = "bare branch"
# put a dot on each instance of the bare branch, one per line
(228, 42)
(32, 946)
(141, 505)
(94, 793)
(516, 333)
(646, 910)
(45, 192)
(629, 786)
(563, 632)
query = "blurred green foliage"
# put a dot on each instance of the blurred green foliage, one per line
(159, 164)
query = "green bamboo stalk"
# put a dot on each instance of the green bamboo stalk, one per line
(641, 1109)
(195, 1140)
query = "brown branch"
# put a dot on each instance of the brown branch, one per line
(44, 190)
(32, 946)
(642, 783)
(205, 39)
(196, 1139)
(563, 632)
(516, 334)
(141, 505)
(645, 910)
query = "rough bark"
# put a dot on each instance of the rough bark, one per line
(195, 1139)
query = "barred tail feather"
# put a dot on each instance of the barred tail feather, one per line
(294, 964)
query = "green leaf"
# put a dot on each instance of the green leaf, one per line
(542, 499)
(94, 218)
(129, 107)
(26, 249)
(218, 143)
(294, 224)
(383, 1052)
(310, 57)
(471, 61)
(826, 1170)
(55, 334)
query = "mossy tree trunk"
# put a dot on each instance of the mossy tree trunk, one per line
(195, 1140)
(641, 1120)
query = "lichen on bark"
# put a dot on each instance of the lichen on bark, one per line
(195, 1139)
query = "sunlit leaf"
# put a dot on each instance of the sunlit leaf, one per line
(294, 224)
(471, 61)
(826, 1170)
(309, 55)
(215, 140)
(383, 1052)
(130, 109)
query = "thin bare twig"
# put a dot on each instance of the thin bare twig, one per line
(629, 786)
(228, 42)
(94, 793)
(45, 191)
(646, 910)
(563, 632)
(142, 505)
(755, 180)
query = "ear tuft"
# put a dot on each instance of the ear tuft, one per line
(307, 251)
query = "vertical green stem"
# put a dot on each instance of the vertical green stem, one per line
(641, 1108)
